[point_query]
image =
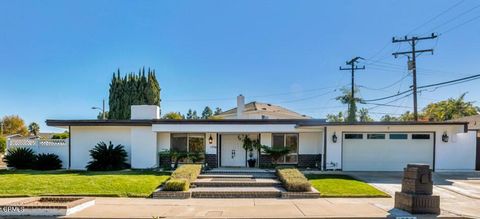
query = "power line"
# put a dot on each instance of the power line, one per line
(388, 86)
(436, 16)
(461, 24)
(454, 18)
(445, 83)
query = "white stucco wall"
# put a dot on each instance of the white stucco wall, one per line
(310, 143)
(211, 148)
(163, 141)
(143, 147)
(457, 154)
(145, 112)
(84, 138)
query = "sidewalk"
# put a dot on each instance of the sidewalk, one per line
(241, 208)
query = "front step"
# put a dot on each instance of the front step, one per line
(238, 175)
(236, 182)
(236, 192)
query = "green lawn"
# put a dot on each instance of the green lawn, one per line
(330, 185)
(116, 183)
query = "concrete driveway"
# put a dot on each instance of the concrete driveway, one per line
(459, 191)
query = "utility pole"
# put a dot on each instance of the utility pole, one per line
(352, 68)
(412, 64)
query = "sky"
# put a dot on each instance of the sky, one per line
(57, 57)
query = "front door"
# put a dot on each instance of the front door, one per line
(233, 154)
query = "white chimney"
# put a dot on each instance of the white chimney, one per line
(240, 106)
(145, 112)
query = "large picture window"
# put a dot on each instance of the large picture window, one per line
(286, 141)
(187, 142)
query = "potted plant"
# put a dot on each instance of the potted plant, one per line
(250, 145)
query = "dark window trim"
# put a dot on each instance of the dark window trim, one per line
(371, 134)
(285, 141)
(188, 136)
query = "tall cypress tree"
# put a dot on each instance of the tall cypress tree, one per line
(132, 89)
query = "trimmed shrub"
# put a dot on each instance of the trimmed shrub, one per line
(20, 158)
(64, 135)
(176, 185)
(47, 162)
(3, 144)
(189, 172)
(107, 157)
(293, 180)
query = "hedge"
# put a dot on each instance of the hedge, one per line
(293, 180)
(176, 185)
(189, 172)
(182, 177)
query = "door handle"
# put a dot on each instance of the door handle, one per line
(233, 154)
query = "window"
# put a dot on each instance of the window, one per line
(421, 136)
(287, 141)
(375, 136)
(354, 136)
(187, 142)
(398, 136)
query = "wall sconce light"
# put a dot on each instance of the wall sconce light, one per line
(445, 137)
(334, 137)
(210, 139)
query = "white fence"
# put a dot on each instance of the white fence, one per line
(53, 146)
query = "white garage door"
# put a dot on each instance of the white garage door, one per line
(386, 151)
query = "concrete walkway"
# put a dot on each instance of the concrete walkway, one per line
(458, 193)
(242, 208)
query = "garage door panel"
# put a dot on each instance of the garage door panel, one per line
(385, 154)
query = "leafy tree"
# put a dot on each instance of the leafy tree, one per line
(363, 115)
(3, 144)
(173, 115)
(100, 115)
(192, 114)
(336, 118)
(34, 128)
(347, 98)
(14, 125)
(388, 118)
(207, 113)
(132, 89)
(452, 108)
(407, 116)
(217, 112)
(64, 135)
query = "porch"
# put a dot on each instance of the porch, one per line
(223, 145)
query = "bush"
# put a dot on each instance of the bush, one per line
(189, 172)
(20, 158)
(64, 135)
(107, 158)
(3, 144)
(176, 185)
(47, 162)
(293, 180)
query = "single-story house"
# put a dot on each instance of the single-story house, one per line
(373, 146)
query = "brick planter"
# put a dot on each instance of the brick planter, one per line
(159, 194)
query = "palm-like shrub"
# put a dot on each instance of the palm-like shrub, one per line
(47, 162)
(20, 158)
(275, 153)
(107, 157)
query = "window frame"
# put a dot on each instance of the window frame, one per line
(353, 134)
(283, 159)
(204, 135)
(420, 134)
(376, 134)
(398, 134)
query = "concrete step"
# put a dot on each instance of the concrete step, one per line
(236, 182)
(236, 192)
(238, 170)
(238, 175)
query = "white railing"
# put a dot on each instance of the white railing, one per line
(36, 143)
